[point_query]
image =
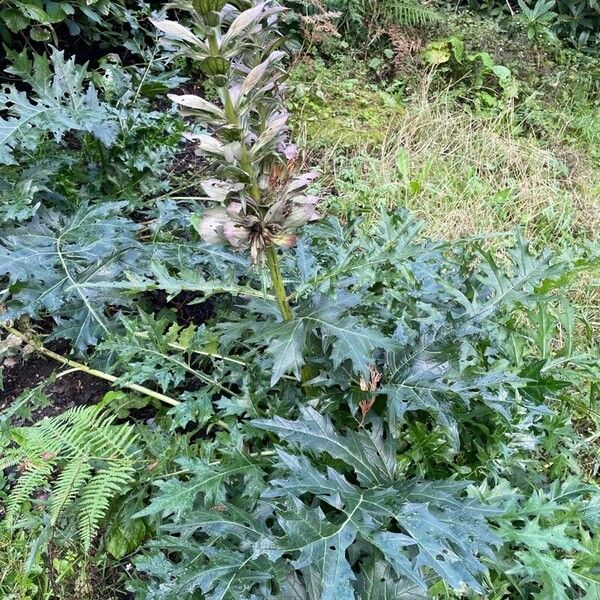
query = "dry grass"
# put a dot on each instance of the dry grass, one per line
(586, 295)
(466, 175)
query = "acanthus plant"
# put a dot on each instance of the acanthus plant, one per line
(363, 495)
(261, 201)
(409, 354)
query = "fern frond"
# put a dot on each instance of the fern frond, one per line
(73, 430)
(35, 478)
(409, 13)
(9, 460)
(68, 485)
(90, 456)
(112, 440)
(48, 436)
(95, 499)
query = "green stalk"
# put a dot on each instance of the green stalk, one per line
(284, 306)
(230, 113)
(213, 45)
(277, 280)
(247, 167)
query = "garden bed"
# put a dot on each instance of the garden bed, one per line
(284, 314)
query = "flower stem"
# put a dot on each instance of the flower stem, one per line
(282, 301)
(277, 280)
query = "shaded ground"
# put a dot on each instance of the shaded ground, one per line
(77, 388)
(73, 389)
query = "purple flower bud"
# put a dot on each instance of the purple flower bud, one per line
(290, 151)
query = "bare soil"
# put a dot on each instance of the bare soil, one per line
(74, 389)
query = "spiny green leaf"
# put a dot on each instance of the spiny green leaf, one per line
(541, 385)
(535, 537)
(288, 349)
(55, 262)
(52, 110)
(347, 338)
(377, 582)
(353, 342)
(372, 462)
(206, 484)
(321, 548)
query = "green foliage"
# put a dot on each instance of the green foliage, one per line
(38, 19)
(76, 140)
(81, 457)
(270, 542)
(359, 18)
(346, 338)
(341, 110)
(60, 102)
(25, 573)
(445, 339)
(538, 19)
(69, 146)
(492, 84)
(368, 414)
(577, 21)
(378, 147)
(549, 538)
(60, 264)
(409, 14)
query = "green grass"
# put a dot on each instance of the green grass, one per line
(336, 109)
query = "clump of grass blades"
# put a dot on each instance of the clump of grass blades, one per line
(466, 175)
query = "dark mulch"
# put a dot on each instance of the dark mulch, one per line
(74, 389)
(189, 312)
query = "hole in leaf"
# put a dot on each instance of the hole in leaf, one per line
(332, 547)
